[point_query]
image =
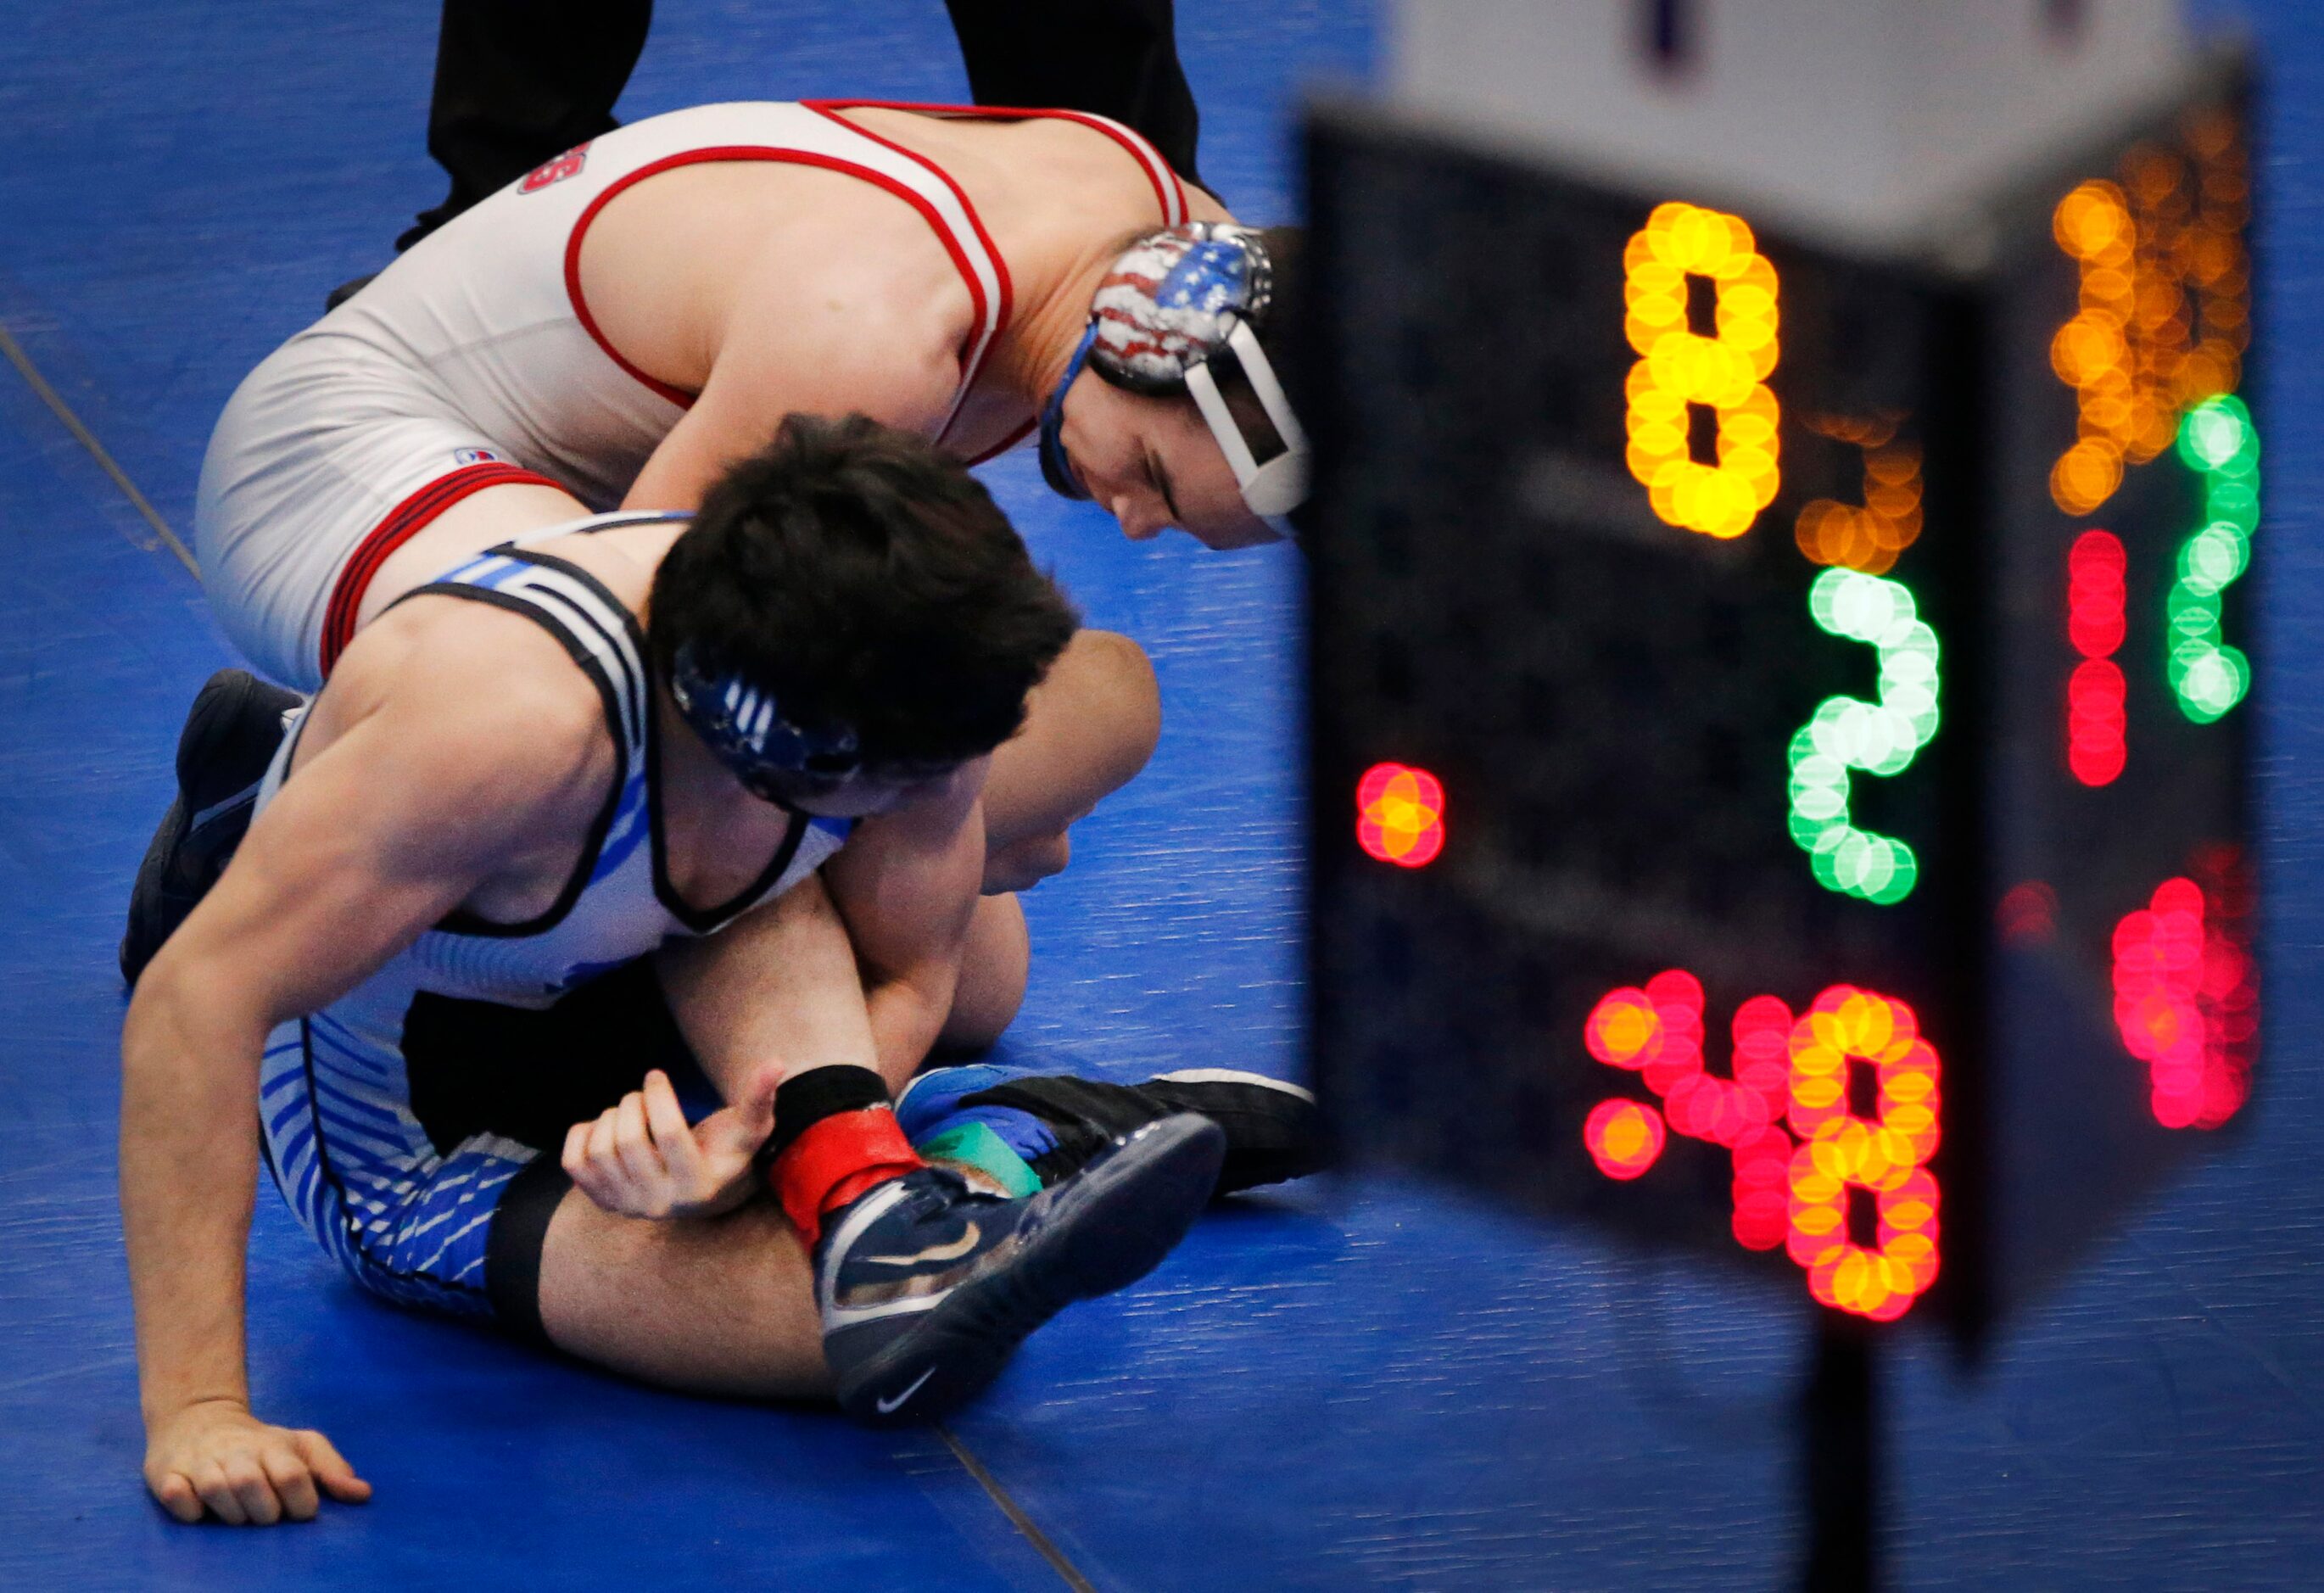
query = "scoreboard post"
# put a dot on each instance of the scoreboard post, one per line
(1781, 685)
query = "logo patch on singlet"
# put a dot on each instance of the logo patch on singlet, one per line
(474, 456)
(567, 164)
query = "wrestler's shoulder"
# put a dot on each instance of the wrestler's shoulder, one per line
(475, 677)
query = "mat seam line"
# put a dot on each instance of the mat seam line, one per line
(87, 439)
(1008, 1506)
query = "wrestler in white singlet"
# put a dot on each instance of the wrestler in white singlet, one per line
(474, 361)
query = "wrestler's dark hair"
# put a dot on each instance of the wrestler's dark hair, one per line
(868, 582)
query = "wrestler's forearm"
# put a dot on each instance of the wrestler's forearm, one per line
(189, 1171)
(907, 1014)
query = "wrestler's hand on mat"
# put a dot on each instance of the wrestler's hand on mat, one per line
(641, 1158)
(216, 1456)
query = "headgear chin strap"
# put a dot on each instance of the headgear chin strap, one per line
(746, 731)
(1056, 467)
(1174, 303)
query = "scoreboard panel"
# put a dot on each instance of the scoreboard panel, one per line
(1777, 734)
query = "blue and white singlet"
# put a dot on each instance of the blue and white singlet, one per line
(406, 1219)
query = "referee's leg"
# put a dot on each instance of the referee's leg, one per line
(1118, 57)
(518, 82)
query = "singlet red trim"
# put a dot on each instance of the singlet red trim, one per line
(1007, 443)
(976, 224)
(993, 318)
(1171, 197)
(406, 520)
(987, 329)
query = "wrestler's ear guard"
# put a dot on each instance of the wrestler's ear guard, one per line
(1271, 490)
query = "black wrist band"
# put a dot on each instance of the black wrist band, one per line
(804, 1100)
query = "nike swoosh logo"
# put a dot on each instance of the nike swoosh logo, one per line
(888, 1407)
(952, 1252)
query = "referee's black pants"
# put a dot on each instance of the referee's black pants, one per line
(519, 81)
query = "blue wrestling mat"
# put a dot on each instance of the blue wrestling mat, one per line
(1347, 1384)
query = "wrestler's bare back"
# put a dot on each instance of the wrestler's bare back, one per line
(768, 288)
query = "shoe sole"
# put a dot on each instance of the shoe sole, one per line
(1229, 1076)
(1257, 1158)
(155, 909)
(149, 904)
(1103, 1230)
(1257, 1152)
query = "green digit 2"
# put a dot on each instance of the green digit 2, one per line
(1848, 734)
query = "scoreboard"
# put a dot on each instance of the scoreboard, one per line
(1779, 716)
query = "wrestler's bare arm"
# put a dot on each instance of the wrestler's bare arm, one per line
(797, 983)
(849, 335)
(774, 993)
(907, 886)
(863, 958)
(409, 799)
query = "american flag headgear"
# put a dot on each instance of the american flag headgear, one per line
(1175, 302)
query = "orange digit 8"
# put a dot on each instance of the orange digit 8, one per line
(1839, 1151)
(1726, 372)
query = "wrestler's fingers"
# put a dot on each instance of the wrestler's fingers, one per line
(667, 1120)
(600, 1150)
(253, 1491)
(589, 1176)
(664, 1116)
(175, 1492)
(330, 1468)
(634, 1145)
(594, 1171)
(292, 1483)
(210, 1482)
(600, 1173)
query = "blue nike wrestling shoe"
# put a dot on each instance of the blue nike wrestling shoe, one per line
(926, 1289)
(231, 736)
(1057, 1122)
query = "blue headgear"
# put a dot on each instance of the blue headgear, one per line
(745, 731)
(1177, 301)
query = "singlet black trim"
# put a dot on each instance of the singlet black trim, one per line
(708, 921)
(460, 920)
(515, 1241)
(640, 681)
(640, 677)
(701, 921)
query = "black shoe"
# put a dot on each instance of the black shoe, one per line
(1273, 1130)
(926, 1290)
(345, 292)
(231, 734)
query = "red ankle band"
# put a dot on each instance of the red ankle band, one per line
(835, 1160)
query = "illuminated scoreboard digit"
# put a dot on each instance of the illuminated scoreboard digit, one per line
(1779, 722)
